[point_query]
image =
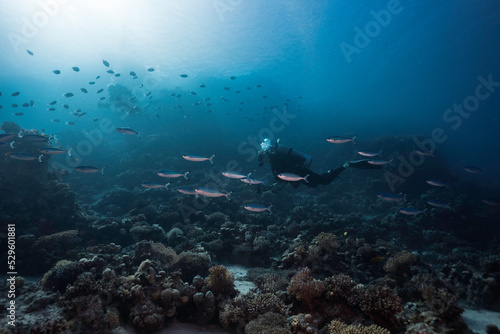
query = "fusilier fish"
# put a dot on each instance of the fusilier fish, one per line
(391, 197)
(89, 169)
(23, 156)
(438, 183)
(251, 181)
(172, 174)
(234, 175)
(293, 177)
(209, 192)
(473, 169)
(438, 203)
(257, 207)
(410, 211)
(341, 140)
(187, 191)
(154, 185)
(370, 153)
(197, 157)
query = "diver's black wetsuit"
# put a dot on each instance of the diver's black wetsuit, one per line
(287, 160)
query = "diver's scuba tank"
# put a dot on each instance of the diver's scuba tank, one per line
(296, 157)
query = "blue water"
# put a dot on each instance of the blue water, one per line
(397, 77)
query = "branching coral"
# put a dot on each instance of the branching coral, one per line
(192, 264)
(341, 288)
(381, 304)
(269, 323)
(338, 327)
(441, 302)
(304, 287)
(400, 263)
(69, 236)
(63, 273)
(221, 281)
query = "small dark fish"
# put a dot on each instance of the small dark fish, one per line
(232, 78)
(132, 73)
(227, 88)
(1, 106)
(249, 88)
(238, 91)
(128, 131)
(55, 120)
(15, 94)
(117, 75)
(65, 106)
(51, 109)
(376, 259)
(52, 103)
(258, 86)
(100, 91)
(110, 71)
(149, 93)
(183, 75)
(32, 103)
(76, 69)
(14, 105)
(202, 85)
(151, 69)
(92, 83)
(68, 95)
(193, 93)
(84, 90)
(97, 77)
(70, 123)
(207, 99)
(18, 114)
(56, 72)
(105, 63)
(25, 105)
(29, 52)
(95, 119)
(102, 98)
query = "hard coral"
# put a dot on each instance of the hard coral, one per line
(269, 323)
(192, 264)
(442, 303)
(400, 263)
(341, 288)
(381, 304)
(338, 327)
(221, 281)
(63, 273)
(304, 287)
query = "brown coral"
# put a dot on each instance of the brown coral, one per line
(338, 327)
(381, 304)
(269, 323)
(221, 281)
(68, 236)
(304, 287)
(400, 263)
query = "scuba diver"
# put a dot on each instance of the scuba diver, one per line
(288, 164)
